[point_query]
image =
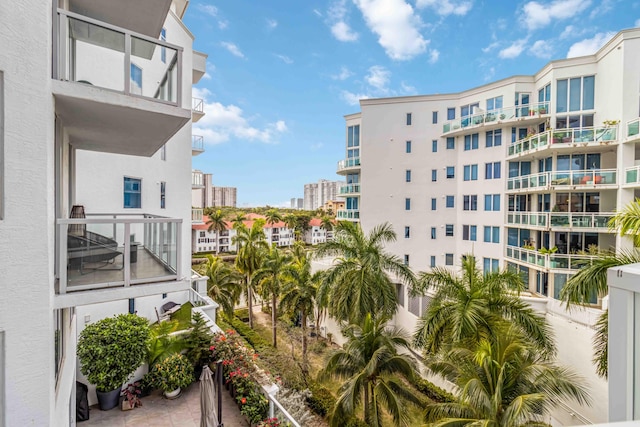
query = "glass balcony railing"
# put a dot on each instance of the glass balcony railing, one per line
(98, 54)
(538, 180)
(580, 219)
(115, 250)
(549, 261)
(197, 143)
(350, 189)
(197, 105)
(605, 135)
(348, 214)
(632, 175)
(537, 219)
(589, 177)
(528, 256)
(196, 215)
(348, 163)
(496, 116)
(633, 127)
(197, 179)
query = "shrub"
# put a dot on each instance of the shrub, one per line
(173, 372)
(111, 349)
(198, 341)
(319, 347)
(321, 400)
(242, 314)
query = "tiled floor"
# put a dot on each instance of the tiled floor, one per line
(160, 412)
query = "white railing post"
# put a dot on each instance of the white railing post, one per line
(63, 257)
(127, 254)
(178, 226)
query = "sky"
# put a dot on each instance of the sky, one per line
(281, 74)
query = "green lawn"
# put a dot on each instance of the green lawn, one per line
(183, 316)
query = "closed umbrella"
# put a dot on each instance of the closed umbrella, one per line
(207, 399)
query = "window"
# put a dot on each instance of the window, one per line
(400, 293)
(407, 204)
(494, 103)
(470, 172)
(492, 202)
(434, 146)
(407, 147)
(407, 175)
(448, 259)
(434, 117)
(408, 119)
(353, 136)
(406, 259)
(433, 232)
(451, 172)
(469, 232)
(471, 142)
(433, 203)
(132, 193)
(163, 51)
(434, 175)
(490, 265)
(451, 143)
(491, 234)
(492, 170)
(494, 138)
(163, 152)
(450, 201)
(544, 96)
(451, 113)
(432, 261)
(132, 306)
(448, 230)
(407, 232)
(163, 194)
(470, 202)
(136, 80)
(575, 94)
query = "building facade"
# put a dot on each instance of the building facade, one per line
(297, 203)
(316, 194)
(206, 195)
(524, 173)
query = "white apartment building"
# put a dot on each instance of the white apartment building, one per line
(205, 195)
(316, 194)
(317, 234)
(108, 90)
(297, 203)
(523, 172)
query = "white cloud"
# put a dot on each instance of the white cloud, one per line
(446, 7)
(490, 47)
(223, 122)
(434, 55)
(206, 76)
(637, 23)
(271, 24)
(222, 24)
(233, 49)
(343, 75)
(542, 49)
(208, 9)
(352, 98)
(407, 89)
(589, 46)
(378, 78)
(284, 58)
(537, 15)
(490, 74)
(396, 25)
(337, 20)
(605, 6)
(316, 146)
(317, 12)
(514, 50)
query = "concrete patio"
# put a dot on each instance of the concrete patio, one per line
(156, 411)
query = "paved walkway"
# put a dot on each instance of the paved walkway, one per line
(156, 411)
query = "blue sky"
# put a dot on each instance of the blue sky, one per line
(282, 74)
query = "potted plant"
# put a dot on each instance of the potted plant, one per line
(110, 350)
(171, 375)
(132, 394)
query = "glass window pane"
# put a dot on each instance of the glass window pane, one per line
(487, 234)
(473, 233)
(488, 169)
(574, 94)
(496, 170)
(496, 202)
(451, 113)
(495, 238)
(474, 172)
(588, 88)
(561, 96)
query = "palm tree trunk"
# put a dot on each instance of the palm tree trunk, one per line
(250, 302)
(366, 403)
(304, 342)
(274, 316)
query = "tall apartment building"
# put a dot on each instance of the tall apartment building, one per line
(297, 203)
(316, 194)
(108, 90)
(524, 173)
(206, 195)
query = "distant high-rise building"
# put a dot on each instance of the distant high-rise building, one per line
(208, 195)
(297, 203)
(318, 193)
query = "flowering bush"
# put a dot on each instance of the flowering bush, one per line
(269, 422)
(173, 372)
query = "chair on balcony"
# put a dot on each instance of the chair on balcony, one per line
(87, 250)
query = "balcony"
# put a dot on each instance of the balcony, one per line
(633, 130)
(199, 66)
(119, 253)
(546, 181)
(347, 165)
(496, 119)
(348, 214)
(548, 262)
(197, 179)
(197, 109)
(599, 221)
(528, 219)
(350, 189)
(534, 182)
(115, 90)
(196, 215)
(197, 145)
(561, 139)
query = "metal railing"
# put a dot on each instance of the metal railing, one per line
(99, 54)
(603, 134)
(348, 214)
(496, 116)
(549, 261)
(197, 105)
(99, 251)
(197, 214)
(197, 179)
(545, 180)
(350, 189)
(197, 142)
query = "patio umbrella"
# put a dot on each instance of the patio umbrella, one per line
(207, 399)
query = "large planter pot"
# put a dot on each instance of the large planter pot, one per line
(172, 394)
(110, 399)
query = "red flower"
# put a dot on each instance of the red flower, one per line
(243, 400)
(212, 348)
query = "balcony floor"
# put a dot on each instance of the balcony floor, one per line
(146, 267)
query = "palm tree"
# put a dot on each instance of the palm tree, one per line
(217, 223)
(376, 373)
(467, 308)
(251, 244)
(270, 278)
(272, 217)
(327, 224)
(591, 280)
(291, 221)
(360, 281)
(238, 220)
(223, 284)
(299, 296)
(501, 381)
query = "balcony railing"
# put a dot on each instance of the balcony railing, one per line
(196, 215)
(348, 214)
(633, 128)
(353, 162)
(580, 219)
(576, 178)
(563, 137)
(497, 116)
(197, 143)
(197, 105)
(632, 175)
(350, 189)
(98, 54)
(537, 219)
(534, 181)
(197, 179)
(549, 261)
(117, 250)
